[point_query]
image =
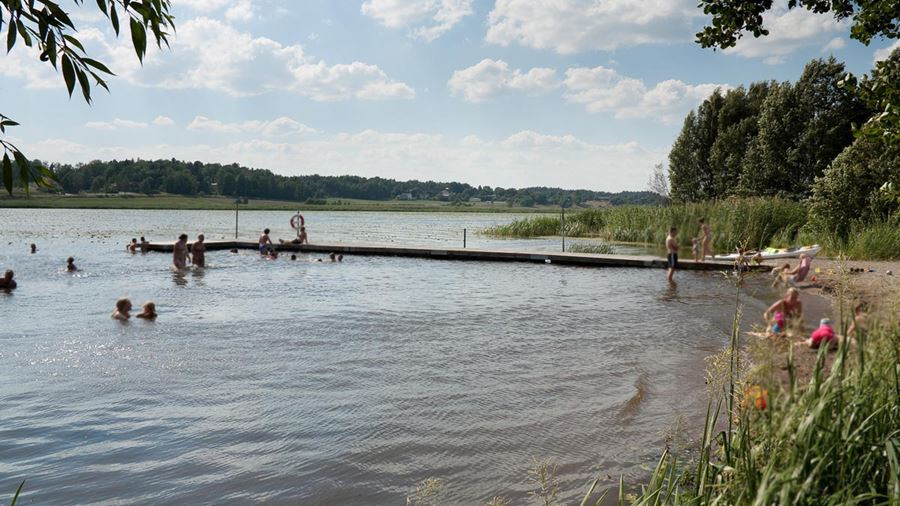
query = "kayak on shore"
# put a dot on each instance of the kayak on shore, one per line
(775, 253)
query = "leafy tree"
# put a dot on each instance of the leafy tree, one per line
(659, 182)
(851, 189)
(881, 93)
(732, 18)
(45, 25)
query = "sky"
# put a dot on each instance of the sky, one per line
(511, 93)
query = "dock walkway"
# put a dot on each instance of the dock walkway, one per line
(438, 253)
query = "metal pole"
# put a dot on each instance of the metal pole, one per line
(236, 204)
(464, 238)
(563, 227)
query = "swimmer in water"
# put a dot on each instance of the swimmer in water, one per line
(7, 282)
(145, 245)
(340, 258)
(123, 306)
(332, 257)
(293, 257)
(148, 311)
(70, 265)
(198, 252)
(33, 248)
(132, 247)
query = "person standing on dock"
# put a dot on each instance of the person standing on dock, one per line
(198, 252)
(180, 254)
(672, 252)
(705, 239)
(264, 242)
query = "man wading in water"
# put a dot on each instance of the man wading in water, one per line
(672, 250)
(180, 255)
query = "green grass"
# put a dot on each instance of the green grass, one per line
(599, 248)
(43, 200)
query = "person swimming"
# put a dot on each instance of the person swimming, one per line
(148, 311)
(70, 265)
(123, 306)
(340, 258)
(33, 248)
(332, 257)
(7, 282)
(293, 257)
(132, 247)
(145, 245)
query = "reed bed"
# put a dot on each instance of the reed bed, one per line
(597, 248)
(749, 222)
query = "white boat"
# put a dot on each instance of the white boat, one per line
(775, 253)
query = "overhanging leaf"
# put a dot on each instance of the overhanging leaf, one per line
(68, 73)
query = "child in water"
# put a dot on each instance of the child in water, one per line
(123, 306)
(148, 311)
(70, 265)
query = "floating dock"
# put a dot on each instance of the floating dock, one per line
(438, 253)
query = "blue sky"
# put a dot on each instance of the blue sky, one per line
(512, 93)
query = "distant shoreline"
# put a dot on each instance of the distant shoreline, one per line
(179, 202)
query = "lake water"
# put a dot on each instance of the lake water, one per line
(316, 383)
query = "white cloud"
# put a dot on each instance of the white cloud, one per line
(522, 159)
(163, 121)
(572, 26)
(834, 44)
(278, 127)
(115, 124)
(489, 78)
(885, 52)
(789, 30)
(241, 10)
(425, 19)
(208, 54)
(601, 89)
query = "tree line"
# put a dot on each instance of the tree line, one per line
(796, 141)
(232, 180)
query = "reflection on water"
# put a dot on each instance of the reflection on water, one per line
(309, 382)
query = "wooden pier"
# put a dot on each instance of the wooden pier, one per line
(439, 253)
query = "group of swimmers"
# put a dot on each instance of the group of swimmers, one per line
(8, 282)
(195, 254)
(134, 245)
(123, 310)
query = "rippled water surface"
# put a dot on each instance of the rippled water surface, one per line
(316, 383)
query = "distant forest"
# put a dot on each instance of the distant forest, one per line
(201, 179)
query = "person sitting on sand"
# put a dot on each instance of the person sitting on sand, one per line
(799, 273)
(123, 306)
(825, 333)
(672, 252)
(132, 247)
(781, 312)
(148, 311)
(145, 245)
(780, 274)
(7, 282)
(70, 265)
(198, 252)
(180, 256)
(33, 248)
(860, 320)
(264, 242)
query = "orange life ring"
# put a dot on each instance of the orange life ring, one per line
(297, 221)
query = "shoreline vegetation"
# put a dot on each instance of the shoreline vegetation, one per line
(752, 223)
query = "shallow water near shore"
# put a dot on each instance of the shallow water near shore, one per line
(309, 382)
